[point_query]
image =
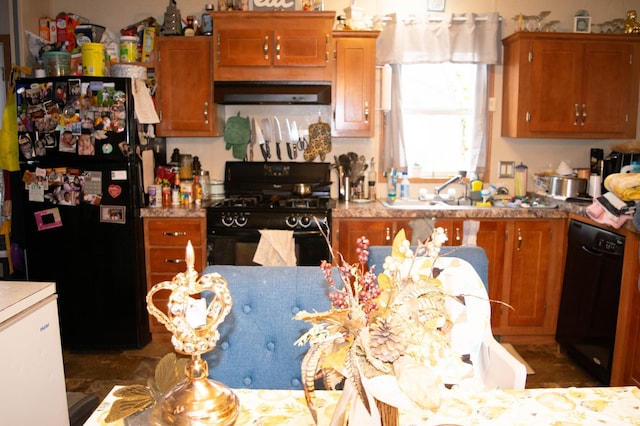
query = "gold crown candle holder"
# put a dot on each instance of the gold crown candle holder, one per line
(194, 327)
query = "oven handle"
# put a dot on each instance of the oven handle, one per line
(307, 233)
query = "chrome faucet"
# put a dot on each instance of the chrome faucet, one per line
(457, 177)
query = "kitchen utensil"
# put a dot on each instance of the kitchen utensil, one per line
(567, 186)
(296, 139)
(290, 139)
(253, 140)
(267, 133)
(302, 189)
(277, 132)
(261, 143)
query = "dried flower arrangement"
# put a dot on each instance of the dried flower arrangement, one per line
(393, 329)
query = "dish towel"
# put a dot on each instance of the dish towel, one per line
(610, 210)
(470, 232)
(276, 248)
(421, 229)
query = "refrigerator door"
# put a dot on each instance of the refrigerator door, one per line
(80, 207)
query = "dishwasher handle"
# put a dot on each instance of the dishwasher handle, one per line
(591, 251)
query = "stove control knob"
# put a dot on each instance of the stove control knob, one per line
(305, 221)
(291, 221)
(227, 220)
(241, 220)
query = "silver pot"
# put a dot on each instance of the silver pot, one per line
(566, 186)
(301, 189)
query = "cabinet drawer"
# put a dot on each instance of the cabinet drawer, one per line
(175, 233)
(171, 260)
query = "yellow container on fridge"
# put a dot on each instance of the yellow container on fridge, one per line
(93, 59)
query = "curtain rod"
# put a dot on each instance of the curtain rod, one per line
(434, 18)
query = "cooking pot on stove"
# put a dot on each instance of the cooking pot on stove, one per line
(567, 186)
(301, 189)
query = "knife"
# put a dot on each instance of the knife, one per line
(277, 131)
(295, 138)
(252, 141)
(267, 135)
(289, 138)
(260, 139)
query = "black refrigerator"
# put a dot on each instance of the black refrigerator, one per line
(79, 206)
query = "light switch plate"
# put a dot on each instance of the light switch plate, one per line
(506, 169)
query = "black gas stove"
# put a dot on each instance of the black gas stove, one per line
(260, 196)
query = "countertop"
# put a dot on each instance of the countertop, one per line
(375, 209)
(16, 296)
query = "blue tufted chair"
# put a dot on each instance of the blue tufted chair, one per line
(256, 347)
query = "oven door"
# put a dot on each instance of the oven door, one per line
(234, 246)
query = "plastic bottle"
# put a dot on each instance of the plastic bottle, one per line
(207, 23)
(166, 194)
(391, 185)
(404, 186)
(196, 191)
(372, 178)
(175, 192)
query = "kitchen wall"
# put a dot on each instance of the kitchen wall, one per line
(538, 154)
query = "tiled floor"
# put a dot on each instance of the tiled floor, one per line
(97, 372)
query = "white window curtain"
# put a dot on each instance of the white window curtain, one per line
(458, 38)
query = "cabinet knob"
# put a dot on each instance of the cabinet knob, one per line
(278, 48)
(584, 114)
(174, 261)
(519, 238)
(265, 48)
(205, 112)
(387, 236)
(366, 112)
(458, 236)
(577, 116)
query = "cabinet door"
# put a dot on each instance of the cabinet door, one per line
(556, 86)
(607, 87)
(580, 87)
(301, 47)
(185, 87)
(379, 232)
(491, 237)
(246, 47)
(533, 277)
(354, 86)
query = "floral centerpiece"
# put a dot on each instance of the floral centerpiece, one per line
(385, 338)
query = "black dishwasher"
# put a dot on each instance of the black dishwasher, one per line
(590, 297)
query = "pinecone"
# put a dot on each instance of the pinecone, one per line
(387, 340)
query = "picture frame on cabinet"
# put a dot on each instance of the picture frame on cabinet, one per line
(436, 5)
(582, 24)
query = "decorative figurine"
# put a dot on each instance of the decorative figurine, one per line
(631, 25)
(172, 21)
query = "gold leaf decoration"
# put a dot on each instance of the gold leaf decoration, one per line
(131, 400)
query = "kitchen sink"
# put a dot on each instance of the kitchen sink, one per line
(416, 204)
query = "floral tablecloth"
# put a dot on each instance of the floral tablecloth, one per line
(553, 406)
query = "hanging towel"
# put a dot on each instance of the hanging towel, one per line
(276, 248)
(421, 229)
(470, 232)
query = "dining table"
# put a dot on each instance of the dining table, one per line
(541, 406)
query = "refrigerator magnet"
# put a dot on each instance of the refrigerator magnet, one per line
(47, 219)
(113, 214)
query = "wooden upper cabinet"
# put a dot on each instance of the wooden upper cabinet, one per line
(354, 83)
(265, 46)
(565, 85)
(185, 87)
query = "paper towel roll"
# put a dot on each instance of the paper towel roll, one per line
(148, 168)
(385, 88)
(595, 186)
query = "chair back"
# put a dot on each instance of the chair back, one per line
(475, 255)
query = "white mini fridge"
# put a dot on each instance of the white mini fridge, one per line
(32, 390)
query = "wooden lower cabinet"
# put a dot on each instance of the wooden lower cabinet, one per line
(165, 242)
(531, 280)
(526, 258)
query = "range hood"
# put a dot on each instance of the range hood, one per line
(272, 93)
